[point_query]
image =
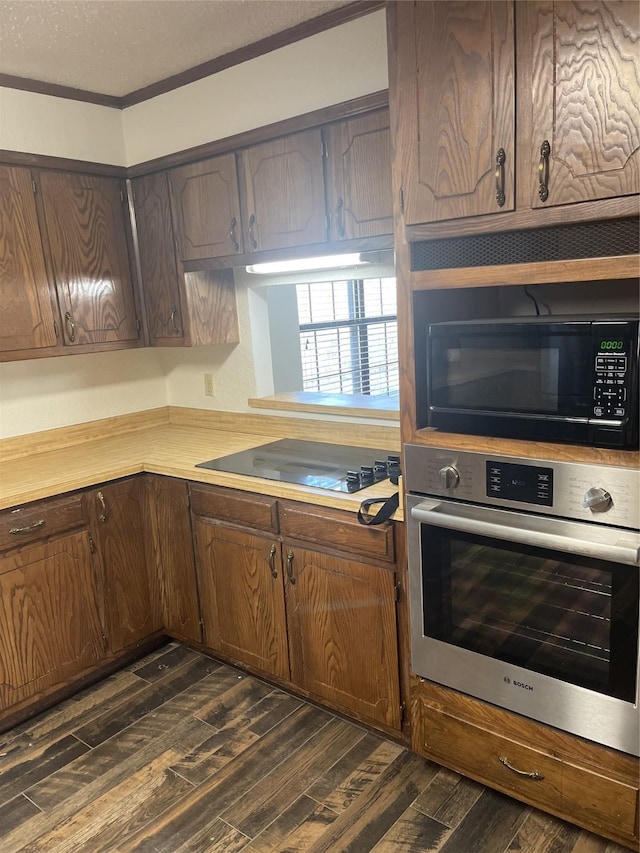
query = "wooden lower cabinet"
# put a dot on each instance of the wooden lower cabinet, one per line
(171, 558)
(131, 607)
(50, 626)
(242, 596)
(342, 633)
(313, 612)
(587, 784)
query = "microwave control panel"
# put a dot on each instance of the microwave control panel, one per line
(610, 387)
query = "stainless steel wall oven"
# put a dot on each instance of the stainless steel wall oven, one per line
(524, 586)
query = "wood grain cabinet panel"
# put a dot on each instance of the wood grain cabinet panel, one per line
(547, 771)
(579, 89)
(336, 530)
(343, 634)
(456, 92)
(118, 513)
(85, 224)
(171, 557)
(283, 192)
(196, 308)
(244, 508)
(358, 177)
(23, 525)
(28, 305)
(50, 626)
(242, 596)
(206, 208)
(156, 248)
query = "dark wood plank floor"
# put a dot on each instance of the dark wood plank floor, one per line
(180, 754)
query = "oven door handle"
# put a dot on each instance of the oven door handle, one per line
(529, 531)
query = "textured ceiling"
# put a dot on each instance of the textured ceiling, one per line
(114, 47)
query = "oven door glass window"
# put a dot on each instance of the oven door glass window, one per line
(572, 618)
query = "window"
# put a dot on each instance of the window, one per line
(349, 336)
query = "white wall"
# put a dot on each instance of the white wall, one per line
(41, 124)
(46, 393)
(334, 66)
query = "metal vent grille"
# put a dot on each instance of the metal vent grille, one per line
(560, 243)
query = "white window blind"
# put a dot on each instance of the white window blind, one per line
(349, 336)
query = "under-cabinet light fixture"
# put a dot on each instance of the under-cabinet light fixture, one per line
(304, 264)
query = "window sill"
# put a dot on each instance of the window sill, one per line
(349, 405)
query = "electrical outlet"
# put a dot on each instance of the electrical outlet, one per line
(208, 384)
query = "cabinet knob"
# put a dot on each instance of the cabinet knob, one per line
(272, 562)
(252, 236)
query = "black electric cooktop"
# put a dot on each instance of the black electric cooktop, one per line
(311, 463)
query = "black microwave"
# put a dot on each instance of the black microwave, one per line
(545, 378)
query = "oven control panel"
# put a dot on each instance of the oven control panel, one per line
(525, 483)
(586, 492)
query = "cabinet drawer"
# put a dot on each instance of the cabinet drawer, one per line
(38, 521)
(581, 795)
(339, 531)
(247, 509)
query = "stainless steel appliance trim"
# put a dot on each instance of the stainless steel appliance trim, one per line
(570, 537)
(577, 710)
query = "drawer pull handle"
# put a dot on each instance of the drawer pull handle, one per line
(36, 524)
(272, 562)
(290, 567)
(71, 326)
(543, 171)
(172, 319)
(500, 161)
(103, 514)
(232, 234)
(533, 775)
(252, 236)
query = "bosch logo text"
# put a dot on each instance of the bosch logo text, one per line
(521, 684)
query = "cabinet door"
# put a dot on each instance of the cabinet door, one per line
(27, 308)
(85, 221)
(242, 596)
(581, 70)
(283, 190)
(457, 108)
(156, 248)
(131, 610)
(171, 556)
(206, 208)
(49, 617)
(359, 194)
(342, 633)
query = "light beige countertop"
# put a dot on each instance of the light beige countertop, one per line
(172, 441)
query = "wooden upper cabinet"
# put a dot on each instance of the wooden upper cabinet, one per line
(27, 305)
(85, 223)
(579, 91)
(455, 90)
(206, 208)
(158, 267)
(358, 176)
(283, 192)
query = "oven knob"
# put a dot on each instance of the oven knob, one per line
(597, 500)
(449, 477)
